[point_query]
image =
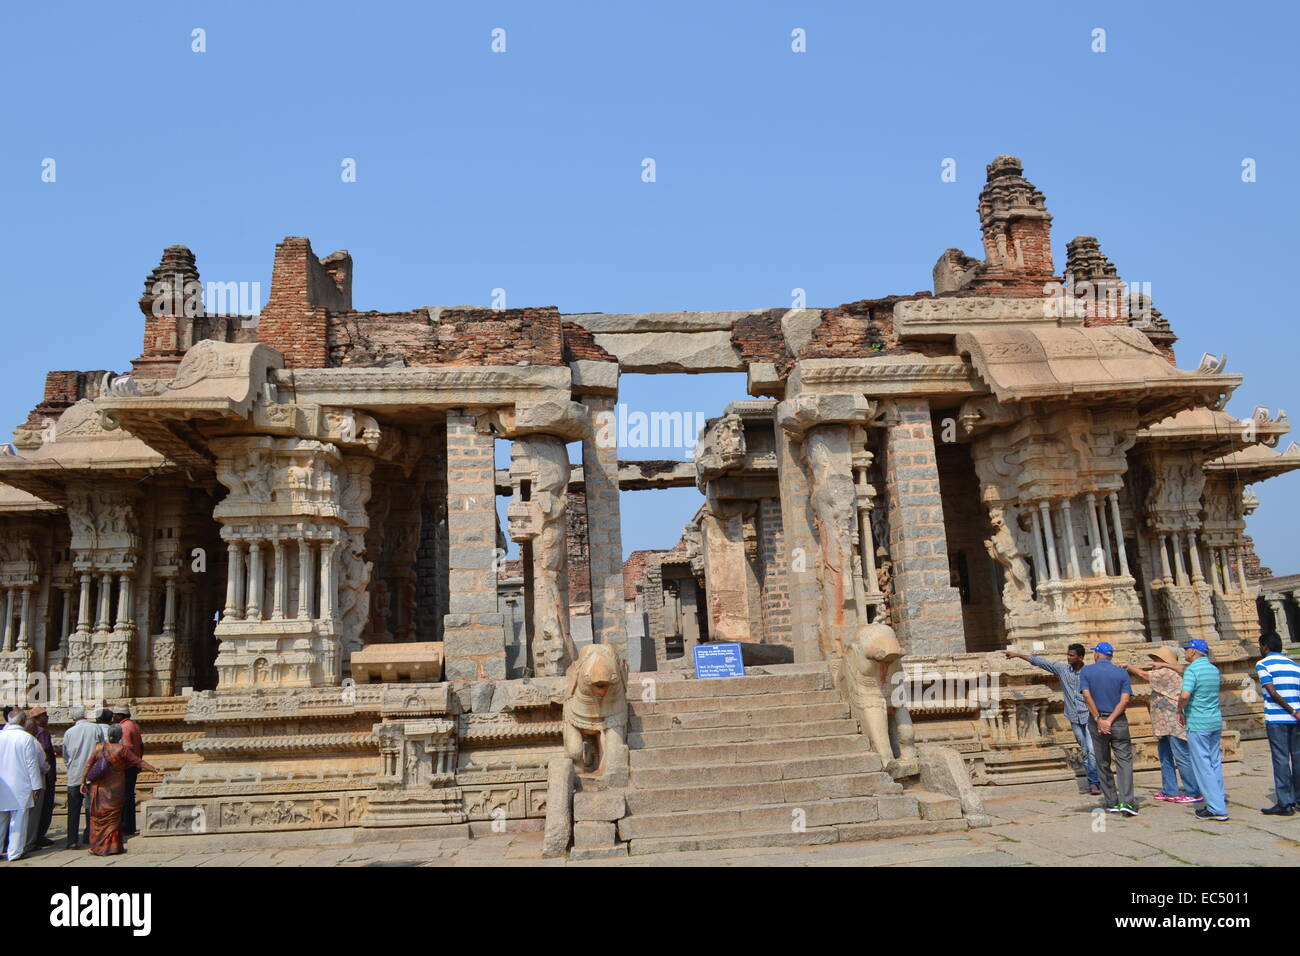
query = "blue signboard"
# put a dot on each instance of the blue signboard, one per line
(718, 660)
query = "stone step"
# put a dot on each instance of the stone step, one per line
(681, 689)
(813, 836)
(766, 817)
(695, 705)
(712, 797)
(756, 772)
(678, 737)
(747, 717)
(735, 753)
(937, 806)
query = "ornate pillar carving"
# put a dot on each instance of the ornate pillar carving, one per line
(306, 560)
(1053, 568)
(279, 583)
(83, 605)
(103, 624)
(540, 473)
(1071, 549)
(253, 609)
(234, 572)
(1119, 534)
(24, 619)
(9, 619)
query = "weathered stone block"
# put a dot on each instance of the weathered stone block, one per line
(590, 833)
(599, 806)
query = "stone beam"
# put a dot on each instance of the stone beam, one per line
(645, 475)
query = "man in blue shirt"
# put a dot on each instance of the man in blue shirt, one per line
(1106, 690)
(1280, 678)
(1198, 705)
(1076, 711)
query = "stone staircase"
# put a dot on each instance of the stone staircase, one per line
(773, 758)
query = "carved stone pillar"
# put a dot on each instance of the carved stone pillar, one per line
(1071, 549)
(278, 585)
(233, 611)
(604, 527)
(1165, 574)
(538, 521)
(66, 622)
(24, 619)
(305, 562)
(1040, 561)
(1193, 553)
(169, 607)
(1119, 534)
(828, 459)
(1180, 569)
(1095, 567)
(83, 606)
(866, 494)
(1049, 536)
(800, 547)
(1102, 524)
(124, 614)
(253, 609)
(103, 624)
(1215, 576)
(328, 585)
(9, 619)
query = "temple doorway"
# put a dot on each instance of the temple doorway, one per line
(971, 571)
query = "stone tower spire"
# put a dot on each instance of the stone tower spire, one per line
(173, 287)
(172, 304)
(1090, 276)
(1017, 228)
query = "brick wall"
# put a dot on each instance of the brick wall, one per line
(579, 344)
(64, 389)
(295, 320)
(575, 538)
(758, 338)
(926, 609)
(1255, 571)
(773, 571)
(445, 336)
(473, 628)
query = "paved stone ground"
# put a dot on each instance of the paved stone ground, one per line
(1048, 825)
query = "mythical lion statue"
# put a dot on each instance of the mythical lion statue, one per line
(871, 659)
(595, 711)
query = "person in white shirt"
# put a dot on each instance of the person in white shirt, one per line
(21, 780)
(78, 742)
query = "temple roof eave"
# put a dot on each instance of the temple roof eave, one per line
(1256, 463)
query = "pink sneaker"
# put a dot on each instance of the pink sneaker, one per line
(1161, 795)
(1184, 798)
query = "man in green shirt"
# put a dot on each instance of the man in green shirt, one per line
(1198, 708)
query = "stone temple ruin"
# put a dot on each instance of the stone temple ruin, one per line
(280, 541)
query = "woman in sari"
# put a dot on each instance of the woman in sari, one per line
(106, 795)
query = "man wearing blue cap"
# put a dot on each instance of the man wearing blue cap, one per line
(1106, 690)
(1198, 706)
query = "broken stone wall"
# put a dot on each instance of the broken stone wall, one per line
(445, 336)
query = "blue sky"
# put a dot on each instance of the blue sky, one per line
(522, 171)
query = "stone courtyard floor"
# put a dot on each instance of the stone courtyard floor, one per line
(1038, 825)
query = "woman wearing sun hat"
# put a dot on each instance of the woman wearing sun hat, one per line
(1166, 680)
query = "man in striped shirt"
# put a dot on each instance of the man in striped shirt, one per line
(1280, 678)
